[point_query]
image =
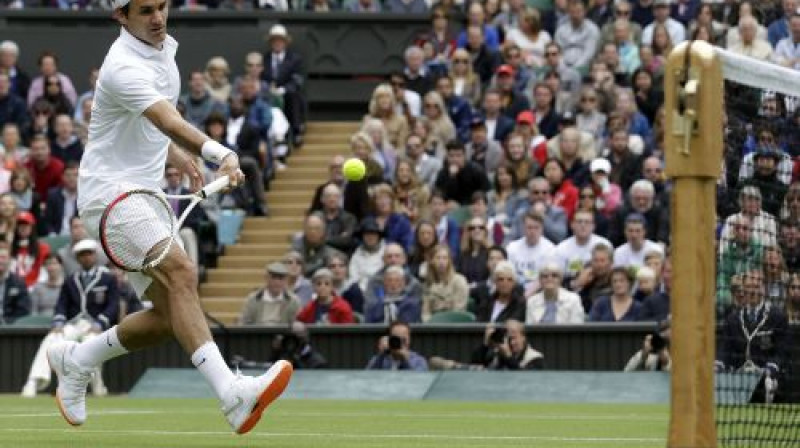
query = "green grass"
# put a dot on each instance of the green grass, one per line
(122, 422)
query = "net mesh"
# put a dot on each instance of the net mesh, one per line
(137, 230)
(758, 258)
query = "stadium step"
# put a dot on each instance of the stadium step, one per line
(236, 275)
(255, 246)
(263, 240)
(322, 127)
(236, 290)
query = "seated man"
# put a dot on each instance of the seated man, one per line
(507, 349)
(88, 305)
(327, 307)
(397, 300)
(394, 352)
(312, 245)
(273, 303)
(77, 233)
(61, 203)
(339, 224)
(283, 72)
(15, 301)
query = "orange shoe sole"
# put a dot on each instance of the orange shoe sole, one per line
(270, 394)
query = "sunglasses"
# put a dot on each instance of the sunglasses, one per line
(623, 12)
(587, 196)
(540, 192)
(460, 61)
(551, 53)
(475, 227)
(504, 279)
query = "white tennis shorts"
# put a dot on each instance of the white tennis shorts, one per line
(145, 230)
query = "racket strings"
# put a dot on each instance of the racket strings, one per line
(138, 230)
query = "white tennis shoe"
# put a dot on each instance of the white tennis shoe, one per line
(247, 397)
(73, 380)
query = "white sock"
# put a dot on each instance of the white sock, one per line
(95, 351)
(208, 360)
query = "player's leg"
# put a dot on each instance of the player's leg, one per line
(243, 398)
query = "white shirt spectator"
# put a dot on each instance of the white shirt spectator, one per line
(625, 256)
(573, 256)
(676, 30)
(527, 260)
(787, 51)
(578, 45)
(532, 50)
(365, 264)
(764, 228)
(569, 309)
(125, 147)
(758, 49)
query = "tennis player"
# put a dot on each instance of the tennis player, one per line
(135, 130)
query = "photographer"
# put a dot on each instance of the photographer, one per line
(507, 349)
(654, 355)
(296, 348)
(394, 352)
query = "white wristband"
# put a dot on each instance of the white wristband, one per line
(214, 151)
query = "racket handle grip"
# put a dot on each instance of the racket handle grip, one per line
(215, 187)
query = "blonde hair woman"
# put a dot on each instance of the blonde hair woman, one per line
(530, 37)
(362, 148)
(383, 106)
(383, 151)
(410, 195)
(465, 82)
(445, 289)
(442, 129)
(217, 82)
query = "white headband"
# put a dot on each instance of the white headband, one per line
(115, 4)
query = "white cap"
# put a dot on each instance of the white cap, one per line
(84, 245)
(600, 165)
(276, 31)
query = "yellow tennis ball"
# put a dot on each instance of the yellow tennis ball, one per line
(354, 169)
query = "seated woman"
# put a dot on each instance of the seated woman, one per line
(445, 289)
(326, 307)
(425, 241)
(395, 226)
(619, 306)
(345, 286)
(554, 304)
(27, 251)
(44, 294)
(472, 263)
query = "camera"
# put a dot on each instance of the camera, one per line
(498, 336)
(395, 342)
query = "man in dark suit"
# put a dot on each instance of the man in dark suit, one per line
(755, 339)
(188, 232)
(87, 305)
(61, 202)
(283, 71)
(498, 125)
(15, 301)
(9, 55)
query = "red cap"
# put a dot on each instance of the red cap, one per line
(526, 117)
(505, 69)
(26, 217)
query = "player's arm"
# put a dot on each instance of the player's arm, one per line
(166, 118)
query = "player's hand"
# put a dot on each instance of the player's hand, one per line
(188, 167)
(230, 168)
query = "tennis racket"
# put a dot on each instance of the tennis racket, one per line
(138, 228)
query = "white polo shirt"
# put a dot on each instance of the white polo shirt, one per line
(125, 149)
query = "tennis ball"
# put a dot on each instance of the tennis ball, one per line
(354, 169)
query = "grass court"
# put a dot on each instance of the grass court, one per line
(122, 422)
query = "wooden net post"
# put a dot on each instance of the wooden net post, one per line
(693, 150)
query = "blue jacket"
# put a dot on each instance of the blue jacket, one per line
(491, 38)
(640, 126)
(54, 211)
(503, 128)
(461, 114)
(601, 311)
(398, 230)
(101, 302)
(777, 30)
(453, 237)
(409, 309)
(259, 115)
(16, 301)
(13, 110)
